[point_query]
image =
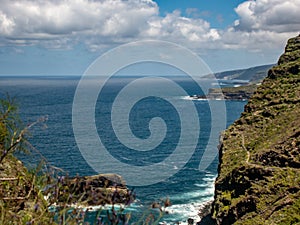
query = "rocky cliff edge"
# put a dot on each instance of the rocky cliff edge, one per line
(259, 173)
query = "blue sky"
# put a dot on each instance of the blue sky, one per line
(220, 13)
(63, 37)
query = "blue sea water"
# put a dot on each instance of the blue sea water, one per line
(188, 189)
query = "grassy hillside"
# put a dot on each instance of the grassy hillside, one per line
(259, 171)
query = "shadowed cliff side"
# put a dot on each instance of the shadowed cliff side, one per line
(259, 171)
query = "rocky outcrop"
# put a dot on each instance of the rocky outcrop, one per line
(92, 190)
(233, 93)
(258, 176)
(229, 93)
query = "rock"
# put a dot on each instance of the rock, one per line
(190, 221)
(207, 220)
(205, 209)
(93, 190)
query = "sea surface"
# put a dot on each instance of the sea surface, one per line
(188, 188)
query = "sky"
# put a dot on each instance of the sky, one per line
(63, 37)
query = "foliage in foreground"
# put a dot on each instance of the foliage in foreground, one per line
(43, 196)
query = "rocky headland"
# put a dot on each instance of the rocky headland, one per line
(229, 93)
(241, 83)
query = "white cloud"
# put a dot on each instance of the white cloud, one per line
(270, 15)
(254, 40)
(176, 27)
(6, 24)
(43, 20)
(262, 24)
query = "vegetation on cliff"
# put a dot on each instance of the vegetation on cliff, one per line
(21, 201)
(258, 181)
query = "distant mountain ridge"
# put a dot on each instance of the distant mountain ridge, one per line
(252, 74)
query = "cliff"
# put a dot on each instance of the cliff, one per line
(259, 172)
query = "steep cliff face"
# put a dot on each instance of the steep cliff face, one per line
(259, 171)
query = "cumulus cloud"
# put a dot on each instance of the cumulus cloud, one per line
(270, 15)
(263, 24)
(255, 41)
(175, 27)
(103, 23)
(32, 20)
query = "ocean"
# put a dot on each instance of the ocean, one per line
(181, 180)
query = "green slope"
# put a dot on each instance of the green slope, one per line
(259, 171)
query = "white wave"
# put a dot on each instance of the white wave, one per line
(193, 194)
(192, 98)
(195, 201)
(186, 98)
(203, 185)
(210, 175)
(182, 212)
(209, 179)
(133, 207)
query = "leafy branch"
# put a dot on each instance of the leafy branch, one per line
(12, 132)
